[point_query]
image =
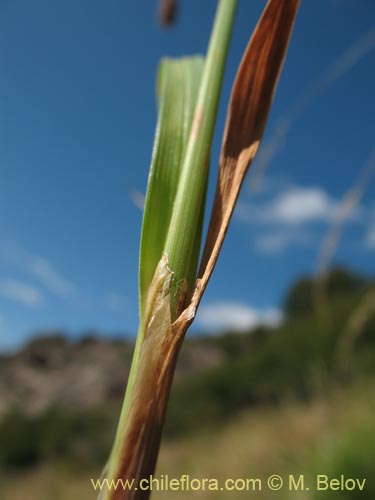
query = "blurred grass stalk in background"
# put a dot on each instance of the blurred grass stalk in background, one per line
(169, 287)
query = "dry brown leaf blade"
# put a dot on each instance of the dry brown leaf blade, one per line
(248, 110)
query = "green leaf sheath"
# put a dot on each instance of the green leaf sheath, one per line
(190, 196)
(178, 83)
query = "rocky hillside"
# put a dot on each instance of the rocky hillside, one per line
(249, 366)
(91, 371)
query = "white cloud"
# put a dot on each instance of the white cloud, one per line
(42, 269)
(138, 199)
(236, 316)
(302, 205)
(275, 242)
(116, 302)
(289, 217)
(292, 207)
(370, 237)
(297, 206)
(21, 292)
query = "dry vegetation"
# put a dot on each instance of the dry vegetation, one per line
(292, 439)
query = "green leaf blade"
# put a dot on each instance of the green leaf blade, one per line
(178, 84)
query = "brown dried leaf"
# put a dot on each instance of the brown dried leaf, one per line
(248, 109)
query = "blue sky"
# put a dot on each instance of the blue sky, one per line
(77, 97)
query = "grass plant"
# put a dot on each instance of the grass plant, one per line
(170, 287)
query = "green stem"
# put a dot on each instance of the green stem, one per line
(116, 447)
(191, 189)
(187, 210)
